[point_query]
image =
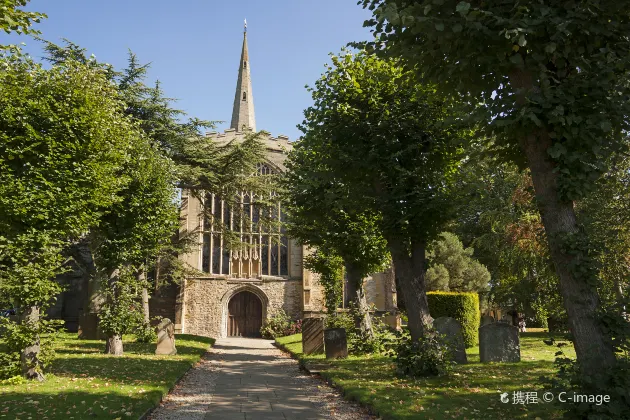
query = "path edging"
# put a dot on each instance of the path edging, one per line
(322, 374)
(150, 410)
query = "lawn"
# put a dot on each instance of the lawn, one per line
(470, 392)
(84, 383)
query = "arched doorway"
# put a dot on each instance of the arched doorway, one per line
(244, 315)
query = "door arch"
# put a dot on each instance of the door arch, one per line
(244, 315)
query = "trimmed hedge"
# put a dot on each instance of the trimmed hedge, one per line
(462, 306)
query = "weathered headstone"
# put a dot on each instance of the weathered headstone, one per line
(336, 343)
(486, 319)
(313, 335)
(452, 329)
(499, 342)
(166, 337)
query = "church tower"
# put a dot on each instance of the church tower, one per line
(243, 116)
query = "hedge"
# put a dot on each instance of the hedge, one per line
(462, 306)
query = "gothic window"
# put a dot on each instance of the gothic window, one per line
(244, 96)
(264, 251)
(244, 64)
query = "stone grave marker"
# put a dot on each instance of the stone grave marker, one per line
(313, 335)
(499, 342)
(166, 337)
(452, 329)
(486, 319)
(336, 343)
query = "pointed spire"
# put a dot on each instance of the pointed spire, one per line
(243, 116)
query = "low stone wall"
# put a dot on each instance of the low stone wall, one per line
(206, 301)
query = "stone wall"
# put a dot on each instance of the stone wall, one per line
(206, 301)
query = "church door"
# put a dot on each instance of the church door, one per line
(245, 315)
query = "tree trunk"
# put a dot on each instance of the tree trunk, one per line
(145, 297)
(157, 275)
(593, 349)
(357, 293)
(114, 345)
(410, 273)
(29, 357)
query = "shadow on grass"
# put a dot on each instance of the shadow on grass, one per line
(76, 404)
(84, 383)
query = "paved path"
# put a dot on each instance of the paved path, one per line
(247, 379)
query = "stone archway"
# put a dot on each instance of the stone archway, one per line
(244, 310)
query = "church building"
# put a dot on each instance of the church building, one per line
(241, 289)
(237, 290)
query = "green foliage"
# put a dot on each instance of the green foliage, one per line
(570, 61)
(13, 19)
(330, 270)
(280, 325)
(122, 312)
(17, 336)
(145, 333)
(429, 356)
(462, 306)
(499, 218)
(452, 267)
(614, 383)
(382, 339)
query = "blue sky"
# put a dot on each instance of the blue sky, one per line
(194, 47)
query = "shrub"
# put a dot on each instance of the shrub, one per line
(429, 356)
(16, 336)
(383, 340)
(280, 325)
(145, 333)
(463, 306)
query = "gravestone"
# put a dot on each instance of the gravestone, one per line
(486, 319)
(452, 329)
(336, 343)
(313, 335)
(166, 337)
(499, 342)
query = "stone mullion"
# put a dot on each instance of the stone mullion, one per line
(221, 237)
(211, 232)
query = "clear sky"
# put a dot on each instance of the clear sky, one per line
(194, 47)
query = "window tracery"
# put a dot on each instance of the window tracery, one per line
(264, 251)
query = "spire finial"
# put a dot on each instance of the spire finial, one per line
(245, 25)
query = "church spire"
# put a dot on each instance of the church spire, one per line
(243, 112)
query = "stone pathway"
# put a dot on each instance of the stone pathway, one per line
(245, 379)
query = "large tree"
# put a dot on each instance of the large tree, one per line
(382, 134)
(553, 81)
(323, 214)
(63, 140)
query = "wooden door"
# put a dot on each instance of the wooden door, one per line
(245, 315)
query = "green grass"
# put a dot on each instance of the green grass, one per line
(84, 383)
(470, 392)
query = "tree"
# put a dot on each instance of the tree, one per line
(133, 231)
(553, 81)
(380, 134)
(323, 214)
(497, 215)
(14, 19)
(63, 139)
(452, 267)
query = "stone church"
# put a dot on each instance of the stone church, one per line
(239, 290)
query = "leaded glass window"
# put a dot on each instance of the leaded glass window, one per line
(264, 250)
